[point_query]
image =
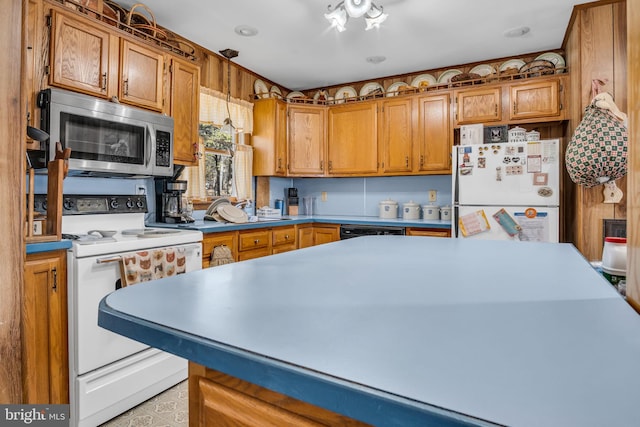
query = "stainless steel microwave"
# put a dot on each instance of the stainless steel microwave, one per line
(106, 138)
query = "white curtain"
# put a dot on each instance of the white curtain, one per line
(214, 109)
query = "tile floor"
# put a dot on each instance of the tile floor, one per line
(168, 409)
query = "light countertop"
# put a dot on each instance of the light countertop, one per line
(398, 330)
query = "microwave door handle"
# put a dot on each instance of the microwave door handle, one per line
(151, 146)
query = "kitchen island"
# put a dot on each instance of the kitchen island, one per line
(400, 331)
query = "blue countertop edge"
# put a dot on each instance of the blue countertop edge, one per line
(34, 248)
(349, 399)
(215, 227)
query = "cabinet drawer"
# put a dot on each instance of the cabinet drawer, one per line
(283, 248)
(283, 236)
(432, 232)
(253, 240)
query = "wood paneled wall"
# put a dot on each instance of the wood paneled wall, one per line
(595, 47)
(12, 197)
(633, 177)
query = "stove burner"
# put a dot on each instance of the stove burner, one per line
(88, 239)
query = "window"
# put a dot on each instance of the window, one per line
(218, 160)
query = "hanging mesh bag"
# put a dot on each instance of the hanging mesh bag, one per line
(597, 152)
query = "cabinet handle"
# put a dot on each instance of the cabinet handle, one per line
(197, 155)
(279, 164)
(104, 81)
(255, 242)
(330, 165)
(496, 109)
(125, 83)
(515, 108)
(286, 237)
(406, 161)
(421, 160)
(55, 279)
(322, 165)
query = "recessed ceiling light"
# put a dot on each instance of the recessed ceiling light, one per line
(376, 59)
(245, 30)
(517, 32)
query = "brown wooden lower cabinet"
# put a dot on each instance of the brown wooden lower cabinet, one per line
(283, 239)
(217, 399)
(211, 240)
(325, 233)
(431, 232)
(45, 367)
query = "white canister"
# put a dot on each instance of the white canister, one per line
(430, 212)
(388, 209)
(410, 210)
(445, 213)
(517, 134)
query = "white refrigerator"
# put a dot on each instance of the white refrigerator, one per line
(507, 191)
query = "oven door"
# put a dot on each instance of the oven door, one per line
(93, 347)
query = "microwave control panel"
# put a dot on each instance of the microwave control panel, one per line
(163, 148)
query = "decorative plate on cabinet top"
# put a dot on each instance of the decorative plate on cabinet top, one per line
(371, 89)
(344, 93)
(397, 87)
(275, 92)
(512, 64)
(557, 59)
(260, 89)
(482, 70)
(446, 76)
(295, 94)
(423, 80)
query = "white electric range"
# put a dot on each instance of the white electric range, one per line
(109, 374)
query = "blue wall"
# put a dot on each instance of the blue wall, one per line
(360, 196)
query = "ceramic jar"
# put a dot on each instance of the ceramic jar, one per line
(517, 134)
(430, 212)
(410, 210)
(533, 136)
(388, 209)
(445, 213)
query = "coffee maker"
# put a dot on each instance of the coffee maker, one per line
(169, 206)
(291, 201)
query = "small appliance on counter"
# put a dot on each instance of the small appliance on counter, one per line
(291, 201)
(169, 206)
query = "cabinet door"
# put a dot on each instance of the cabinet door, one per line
(434, 134)
(533, 100)
(79, 55)
(211, 240)
(325, 234)
(478, 105)
(396, 136)
(269, 137)
(141, 76)
(44, 322)
(306, 140)
(305, 236)
(185, 100)
(352, 139)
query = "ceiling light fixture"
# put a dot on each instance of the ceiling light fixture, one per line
(517, 32)
(339, 15)
(245, 30)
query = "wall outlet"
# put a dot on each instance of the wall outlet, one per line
(433, 195)
(323, 196)
(141, 189)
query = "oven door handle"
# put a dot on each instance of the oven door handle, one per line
(109, 259)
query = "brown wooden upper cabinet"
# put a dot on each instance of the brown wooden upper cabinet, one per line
(535, 99)
(478, 105)
(352, 143)
(81, 56)
(269, 137)
(185, 101)
(306, 140)
(88, 58)
(434, 135)
(141, 76)
(396, 135)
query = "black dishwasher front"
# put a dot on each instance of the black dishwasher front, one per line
(348, 231)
